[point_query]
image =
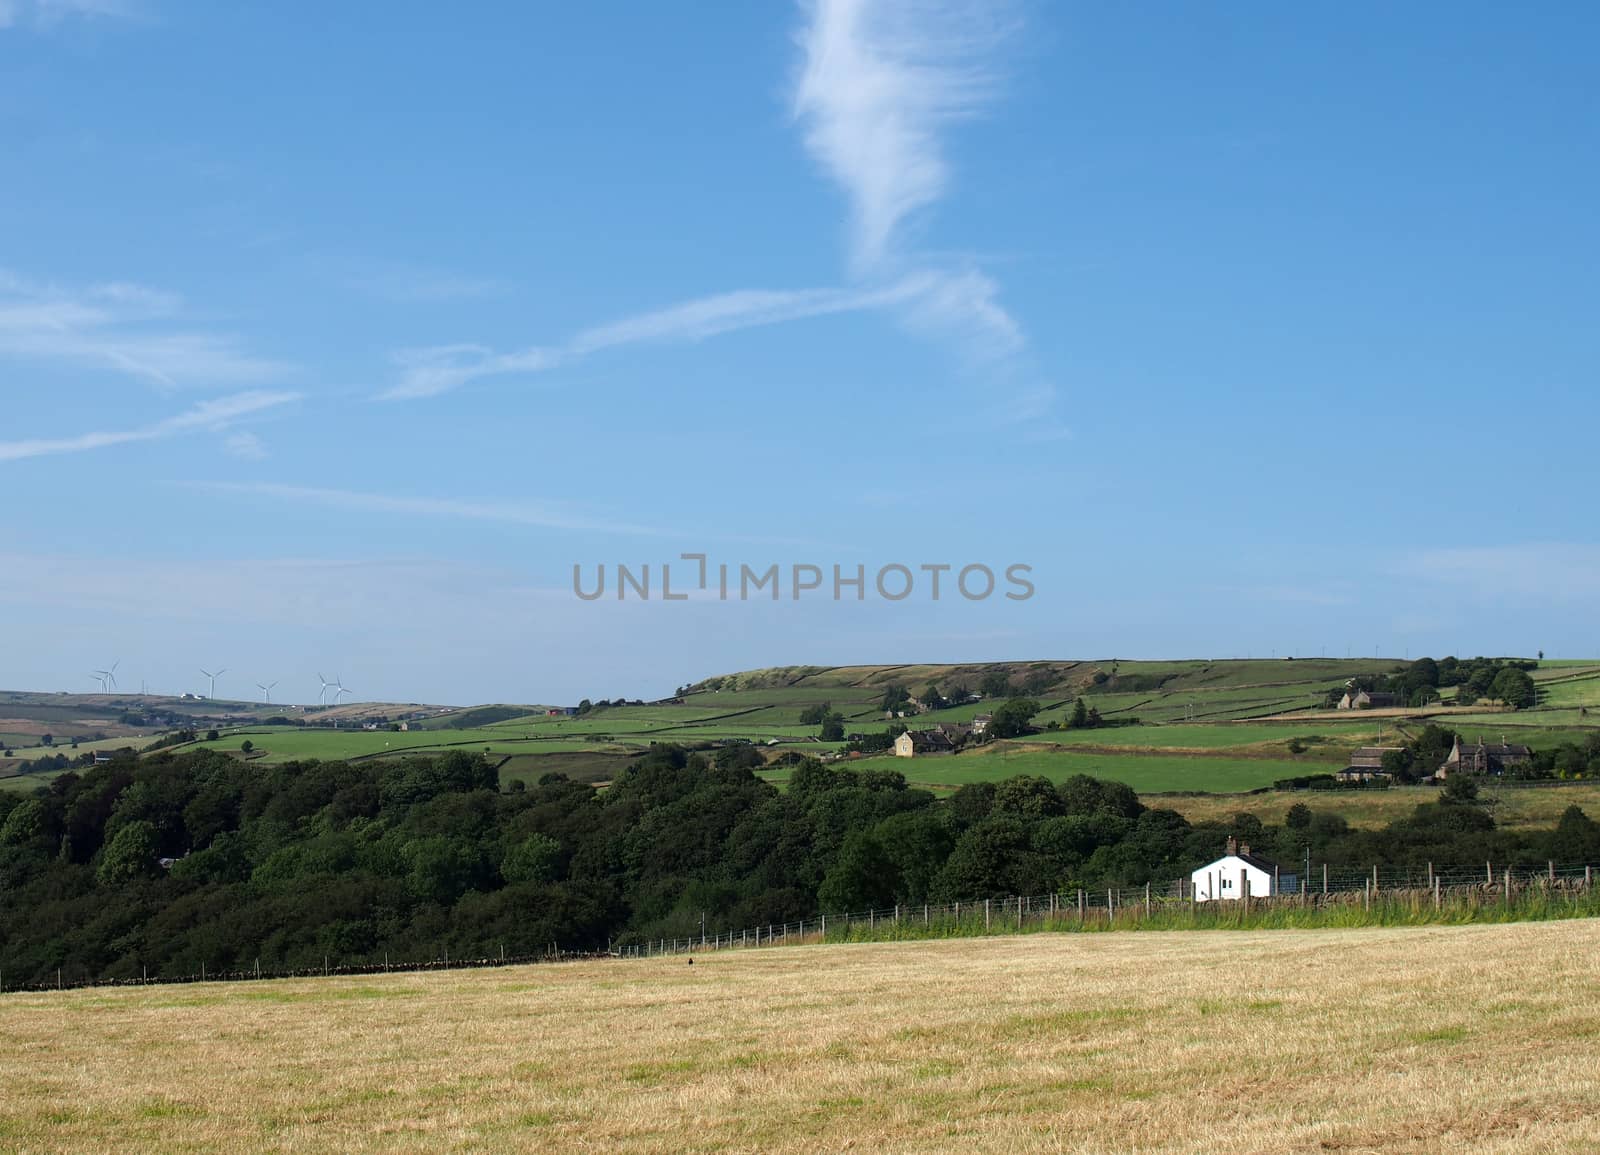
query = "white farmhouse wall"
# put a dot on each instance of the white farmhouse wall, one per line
(1220, 880)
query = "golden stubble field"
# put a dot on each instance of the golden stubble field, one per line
(1482, 1038)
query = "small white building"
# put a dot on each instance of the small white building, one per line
(1240, 874)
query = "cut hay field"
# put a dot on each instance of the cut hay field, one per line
(1358, 1040)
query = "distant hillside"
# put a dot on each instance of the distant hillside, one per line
(1058, 677)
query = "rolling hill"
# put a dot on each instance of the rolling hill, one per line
(1221, 726)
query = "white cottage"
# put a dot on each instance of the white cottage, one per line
(1239, 874)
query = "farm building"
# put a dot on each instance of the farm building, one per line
(980, 723)
(1362, 774)
(1483, 758)
(1366, 764)
(1240, 874)
(1368, 700)
(914, 742)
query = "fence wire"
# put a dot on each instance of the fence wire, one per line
(1014, 912)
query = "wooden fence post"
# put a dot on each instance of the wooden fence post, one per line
(1147, 900)
(1435, 890)
(1324, 880)
(986, 915)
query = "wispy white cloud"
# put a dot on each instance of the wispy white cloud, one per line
(878, 81)
(726, 312)
(440, 368)
(539, 514)
(929, 300)
(246, 446)
(44, 13)
(213, 415)
(1535, 571)
(128, 328)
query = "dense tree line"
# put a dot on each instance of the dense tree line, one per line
(171, 861)
(1493, 679)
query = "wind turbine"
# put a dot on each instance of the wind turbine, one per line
(266, 690)
(111, 674)
(322, 696)
(213, 677)
(100, 676)
(337, 681)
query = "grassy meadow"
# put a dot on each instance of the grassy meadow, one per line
(1513, 808)
(1223, 726)
(1146, 773)
(1361, 1040)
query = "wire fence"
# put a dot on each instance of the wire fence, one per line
(1015, 913)
(63, 980)
(1080, 907)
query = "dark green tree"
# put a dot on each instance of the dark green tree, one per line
(863, 877)
(1514, 687)
(1011, 718)
(131, 854)
(535, 859)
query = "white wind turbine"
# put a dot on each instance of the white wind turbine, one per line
(207, 673)
(111, 674)
(266, 690)
(322, 696)
(100, 676)
(339, 682)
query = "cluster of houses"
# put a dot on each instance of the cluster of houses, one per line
(945, 738)
(1366, 763)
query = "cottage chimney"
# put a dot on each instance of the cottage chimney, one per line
(1233, 846)
(1244, 848)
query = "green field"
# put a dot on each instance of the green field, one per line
(1513, 807)
(1222, 726)
(1146, 773)
(285, 744)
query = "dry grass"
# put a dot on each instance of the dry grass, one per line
(1515, 808)
(1432, 1039)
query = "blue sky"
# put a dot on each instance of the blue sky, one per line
(333, 337)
